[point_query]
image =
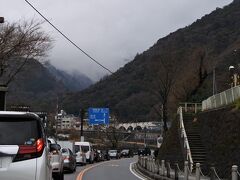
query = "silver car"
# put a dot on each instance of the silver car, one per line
(69, 160)
(23, 147)
(56, 159)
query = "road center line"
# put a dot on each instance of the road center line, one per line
(80, 175)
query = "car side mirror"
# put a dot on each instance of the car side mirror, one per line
(55, 147)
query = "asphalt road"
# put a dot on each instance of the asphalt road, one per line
(108, 170)
(73, 176)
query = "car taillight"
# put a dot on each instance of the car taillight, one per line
(40, 145)
(26, 152)
(66, 158)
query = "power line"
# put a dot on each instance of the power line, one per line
(68, 39)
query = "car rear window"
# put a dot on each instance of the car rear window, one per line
(64, 151)
(77, 148)
(113, 151)
(14, 131)
(85, 148)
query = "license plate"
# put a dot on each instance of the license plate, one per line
(5, 161)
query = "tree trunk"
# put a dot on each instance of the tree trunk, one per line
(165, 117)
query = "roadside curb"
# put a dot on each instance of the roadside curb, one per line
(137, 173)
(149, 174)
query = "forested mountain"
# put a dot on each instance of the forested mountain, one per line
(39, 87)
(74, 81)
(183, 60)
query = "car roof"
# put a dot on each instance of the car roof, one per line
(83, 143)
(16, 114)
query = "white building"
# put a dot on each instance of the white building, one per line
(65, 121)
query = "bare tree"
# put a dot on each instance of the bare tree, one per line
(164, 79)
(20, 41)
(113, 135)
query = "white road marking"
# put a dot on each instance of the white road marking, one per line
(113, 165)
(135, 174)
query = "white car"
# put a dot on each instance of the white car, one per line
(86, 148)
(23, 147)
(57, 160)
(80, 155)
(113, 154)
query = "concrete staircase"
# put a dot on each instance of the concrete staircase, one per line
(193, 134)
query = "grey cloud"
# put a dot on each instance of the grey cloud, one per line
(110, 30)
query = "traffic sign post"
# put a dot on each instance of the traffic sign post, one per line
(98, 116)
(82, 113)
(1, 19)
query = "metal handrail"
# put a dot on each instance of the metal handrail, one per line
(179, 169)
(238, 173)
(214, 170)
(189, 171)
(189, 155)
(200, 170)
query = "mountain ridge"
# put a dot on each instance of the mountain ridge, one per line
(74, 81)
(195, 50)
(39, 88)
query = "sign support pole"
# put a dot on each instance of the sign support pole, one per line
(82, 112)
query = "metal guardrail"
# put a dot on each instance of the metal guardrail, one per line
(222, 99)
(163, 169)
(184, 139)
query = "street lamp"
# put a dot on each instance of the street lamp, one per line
(233, 76)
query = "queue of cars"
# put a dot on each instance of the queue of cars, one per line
(25, 150)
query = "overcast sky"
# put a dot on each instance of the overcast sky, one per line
(112, 31)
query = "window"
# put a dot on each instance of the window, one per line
(14, 131)
(64, 151)
(77, 148)
(85, 148)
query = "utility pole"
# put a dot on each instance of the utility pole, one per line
(3, 88)
(1, 19)
(56, 119)
(82, 114)
(214, 81)
(145, 135)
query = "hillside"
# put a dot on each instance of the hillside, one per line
(36, 86)
(187, 57)
(72, 81)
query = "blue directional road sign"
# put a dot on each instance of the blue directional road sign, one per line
(98, 116)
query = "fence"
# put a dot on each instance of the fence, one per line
(222, 99)
(191, 107)
(163, 170)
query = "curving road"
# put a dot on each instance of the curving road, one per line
(108, 170)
